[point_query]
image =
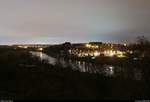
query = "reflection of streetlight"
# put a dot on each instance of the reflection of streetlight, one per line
(111, 68)
(41, 55)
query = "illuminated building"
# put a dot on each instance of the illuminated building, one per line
(93, 50)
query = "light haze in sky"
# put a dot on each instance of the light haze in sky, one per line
(58, 21)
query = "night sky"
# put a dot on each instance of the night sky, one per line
(57, 21)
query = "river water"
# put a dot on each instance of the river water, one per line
(82, 66)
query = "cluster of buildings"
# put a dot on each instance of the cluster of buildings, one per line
(98, 49)
(91, 49)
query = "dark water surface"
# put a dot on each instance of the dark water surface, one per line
(82, 66)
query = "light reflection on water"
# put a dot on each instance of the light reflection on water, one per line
(109, 70)
(82, 66)
(43, 56)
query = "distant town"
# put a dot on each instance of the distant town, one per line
(76, 69)
(92, 49)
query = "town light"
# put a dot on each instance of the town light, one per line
(92, 46)
(96, 53)
(25, 47)
(88, 45)
(40, 49)
(125, 44)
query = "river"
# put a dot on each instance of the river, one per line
(82, 66)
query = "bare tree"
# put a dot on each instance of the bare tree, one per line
(142, 40)
(142, 43)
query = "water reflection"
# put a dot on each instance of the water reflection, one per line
(77, 65)
(82, 66)
(43, 56)
(109, 70)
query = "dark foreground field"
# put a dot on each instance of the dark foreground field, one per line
(23, 76)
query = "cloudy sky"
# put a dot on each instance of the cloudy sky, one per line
(57, 21)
